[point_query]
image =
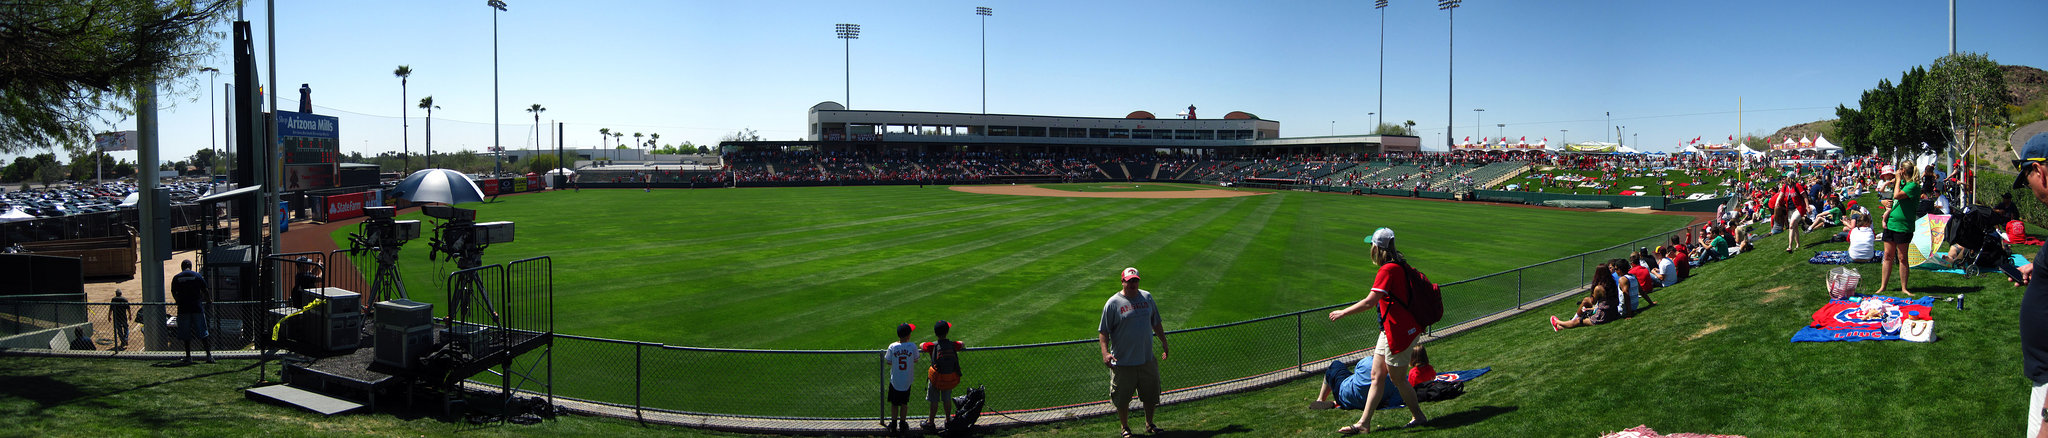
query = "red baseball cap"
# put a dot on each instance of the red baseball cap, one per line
(1130, 274)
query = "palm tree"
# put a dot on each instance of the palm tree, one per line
(602, 135)
(536, 109)
(405, 154)
(652, 139)
(427, 103)
(636, 141)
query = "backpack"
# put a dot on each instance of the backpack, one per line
(966, 411)
(1425, 300)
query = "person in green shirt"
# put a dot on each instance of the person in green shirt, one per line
(1902, 209)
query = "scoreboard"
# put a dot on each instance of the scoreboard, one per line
(310, 145)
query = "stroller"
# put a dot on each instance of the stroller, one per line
(1975, 229)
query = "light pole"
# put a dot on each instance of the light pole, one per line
(1450, 73)
(1375, 123)
(1610, 124)
(1382, 6)
(850, 32)
(1618, 130)
(1500, 129)
(984, 12)
(1562, 139)
(497, 159)
(210, 136)
(1475, 122)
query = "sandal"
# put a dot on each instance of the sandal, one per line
(1353, 429)
(1152, 429)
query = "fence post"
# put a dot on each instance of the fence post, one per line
(1518, 288)
(1297, 342)
(638, 405)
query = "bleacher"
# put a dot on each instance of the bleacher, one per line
(1496, 173)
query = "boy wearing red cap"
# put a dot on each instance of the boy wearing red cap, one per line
(944, 374)
(898, 357)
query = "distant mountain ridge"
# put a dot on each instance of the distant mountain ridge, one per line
(2027, 86)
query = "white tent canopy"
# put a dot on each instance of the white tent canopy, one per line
(1746, 151)
(1820, 142)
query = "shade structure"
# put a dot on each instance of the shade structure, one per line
(439, 185)
(561, 171)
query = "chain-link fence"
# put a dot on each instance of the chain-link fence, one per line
(849, 384)
(77, 326)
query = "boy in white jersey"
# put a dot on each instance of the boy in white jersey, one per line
(899, 357)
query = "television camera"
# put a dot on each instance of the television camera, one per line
(459, 237)
(385, 235)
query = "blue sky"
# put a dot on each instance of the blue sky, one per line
(697, 70)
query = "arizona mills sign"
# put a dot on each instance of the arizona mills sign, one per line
(293, 124)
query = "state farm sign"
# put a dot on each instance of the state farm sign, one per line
(346, 206)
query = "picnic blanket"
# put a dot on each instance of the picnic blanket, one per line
(1644, 431)
(1840, 257)
(1931, 266)
(1834, 321)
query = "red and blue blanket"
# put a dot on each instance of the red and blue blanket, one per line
(1838, 320)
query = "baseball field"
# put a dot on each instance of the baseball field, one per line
(839, 267)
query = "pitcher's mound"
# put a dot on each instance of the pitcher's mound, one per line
(1029, 190)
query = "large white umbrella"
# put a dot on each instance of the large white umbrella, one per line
(439, 185)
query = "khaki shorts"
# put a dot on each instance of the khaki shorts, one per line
(1400, 360)
(1142, 378)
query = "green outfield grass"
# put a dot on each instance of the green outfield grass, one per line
(838, 267)
(1114, 187)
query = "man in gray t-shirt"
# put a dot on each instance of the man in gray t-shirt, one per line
(1129, 321)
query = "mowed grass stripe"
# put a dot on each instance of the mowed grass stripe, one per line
(743, 296)
(1198, 277)
(767, 237)
(965, 273)
(1079, 288)
(802, 251)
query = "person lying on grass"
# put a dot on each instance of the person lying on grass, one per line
(1346, 385)
(1595, 309)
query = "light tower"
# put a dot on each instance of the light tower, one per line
(848, 32)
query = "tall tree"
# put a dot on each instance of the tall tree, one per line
(653, 139)
(602, 135)
(403, 73)
(636, 141)
(536, 109)
(427, 103)
(65, 65)
(1965, 92)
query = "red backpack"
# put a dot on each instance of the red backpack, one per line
(1425, 299)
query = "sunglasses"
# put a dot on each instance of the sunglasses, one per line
(2026, 166)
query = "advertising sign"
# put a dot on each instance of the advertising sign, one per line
(310, 144)
(533, 183)
(308, 176)
(505, 185)
(489, 186)
(518, 184)
(346, 206)
(116, 141)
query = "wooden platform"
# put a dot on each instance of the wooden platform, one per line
(302, 398)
